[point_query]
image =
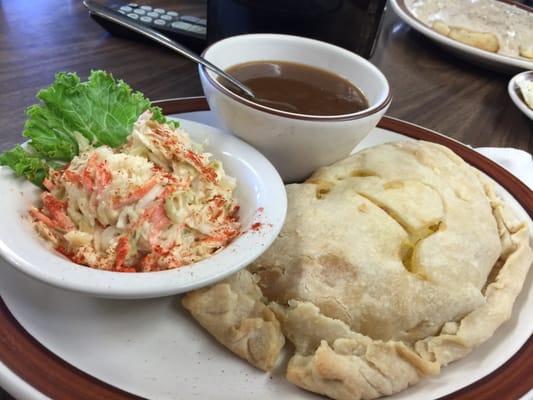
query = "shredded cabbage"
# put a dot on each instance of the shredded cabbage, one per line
(155, 203)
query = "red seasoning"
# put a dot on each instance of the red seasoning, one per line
(155, 203)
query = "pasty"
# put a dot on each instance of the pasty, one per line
(391, 264)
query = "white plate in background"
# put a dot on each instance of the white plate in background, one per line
(487, 59)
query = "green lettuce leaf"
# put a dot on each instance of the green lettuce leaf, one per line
(33, 168)
(102, 110)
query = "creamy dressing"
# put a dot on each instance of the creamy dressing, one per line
(512, 26)
(156, 203)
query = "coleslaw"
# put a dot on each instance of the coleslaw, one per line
(157, 202)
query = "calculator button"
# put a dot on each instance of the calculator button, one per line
(198, 29)
(202, 21)
(181, 25)
(133, 16)
(159, 10)
(133, 5)
(122, 12)
(153, 14)
(189, 18)
(166, 17)
(146, 19)
(172, 13)
(160, 22)
(126, 9)
(147, 8)
(139, 11)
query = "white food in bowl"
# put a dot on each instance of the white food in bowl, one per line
(526, 88)
(158, 202)
(260, 194)
(518, 91)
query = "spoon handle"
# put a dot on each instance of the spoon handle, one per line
(161, 39)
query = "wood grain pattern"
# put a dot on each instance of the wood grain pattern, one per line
(434, 89)
(41, 37)
(60, 380)
(430, 87)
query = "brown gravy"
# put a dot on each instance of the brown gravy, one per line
(298, 88)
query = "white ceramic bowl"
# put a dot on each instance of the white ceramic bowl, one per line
(296, 144)
(513, 90)
(260, 193)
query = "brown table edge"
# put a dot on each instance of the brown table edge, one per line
(58, 379)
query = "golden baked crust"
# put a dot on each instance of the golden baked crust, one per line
(347, 365)
(381, 239)
(391, 263)
(233, 313)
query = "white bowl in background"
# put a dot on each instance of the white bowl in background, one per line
(514, 90)
(297, 144)
(260, 194)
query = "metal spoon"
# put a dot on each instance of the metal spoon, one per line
(165, 41)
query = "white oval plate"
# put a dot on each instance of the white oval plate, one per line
(152, 348)
(494, 61)
(260, 194)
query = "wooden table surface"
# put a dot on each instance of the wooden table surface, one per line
(430, 87)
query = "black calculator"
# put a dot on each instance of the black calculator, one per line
(185, 29)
